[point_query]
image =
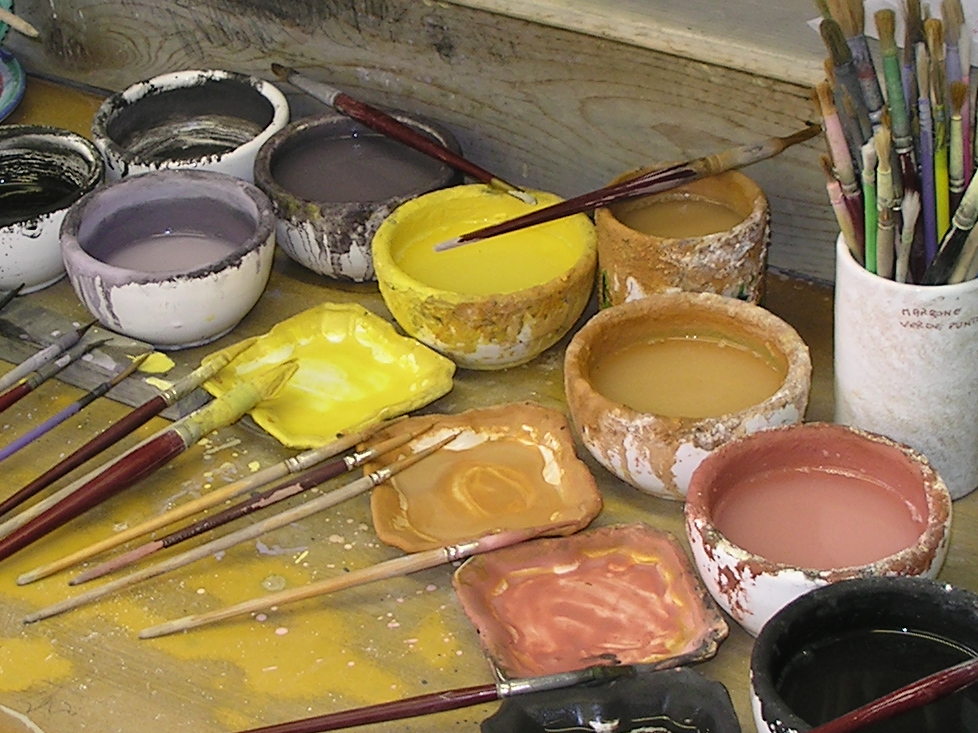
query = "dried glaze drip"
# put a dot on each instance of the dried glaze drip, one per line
(558, 605)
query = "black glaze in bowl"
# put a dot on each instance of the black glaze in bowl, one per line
(675, 700)
(895, 603)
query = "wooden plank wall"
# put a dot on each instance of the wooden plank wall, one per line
(545, 106)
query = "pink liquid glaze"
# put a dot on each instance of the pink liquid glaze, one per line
(816, 518)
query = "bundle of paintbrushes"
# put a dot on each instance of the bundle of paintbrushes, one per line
(900, 140)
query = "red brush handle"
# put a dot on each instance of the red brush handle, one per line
(123, 473)
(382, 122)
(435, 702)
(13, 394)
(108, 437)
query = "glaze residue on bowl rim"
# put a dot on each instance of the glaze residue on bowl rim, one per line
(512, 466)
(627, 594)
(354, 370)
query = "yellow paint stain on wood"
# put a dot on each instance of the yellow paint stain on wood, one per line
(26, 661)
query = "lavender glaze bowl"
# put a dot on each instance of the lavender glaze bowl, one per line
(175, 258)
(204, 119)
(332, 183)
(776, 514)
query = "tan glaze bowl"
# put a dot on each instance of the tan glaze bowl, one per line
(327, 212)
(655, 453)
(159, 295)
(545, 276)
(633, 264)
(752, 587)
(512, 466)
(204, 119)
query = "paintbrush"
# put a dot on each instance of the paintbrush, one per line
(841, 161)
(897, 104)
(870, 160)
(38, 377)
(955, 162)
(928, 193)
(395, 568)
(913, 34)
(842, 215)
(10, 295)
(73, 409)
(845, 71)
(262, 500)
(909, 213)
(282, 519)
(939, 271)
(142, 460)
(440, 702)
(382, 122)
(966, 261)
(846, 111)
(17, 23)
(909, 697)
(851, 17)
(126, 425)
(885, 201)
(31, 363)
(934, 32)
(646, 184)
(267, 475)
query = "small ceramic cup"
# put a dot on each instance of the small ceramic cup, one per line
(905, 359)
(492, 304)
(708, 236)
(209, 120)
(332, 182)
(175, 258)
(43, 171)
(842, 646)
(658, 453)
(775, 514)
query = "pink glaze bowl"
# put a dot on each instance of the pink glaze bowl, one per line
(775, 514)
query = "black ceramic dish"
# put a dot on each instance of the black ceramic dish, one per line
(667, 701)
(841, 646)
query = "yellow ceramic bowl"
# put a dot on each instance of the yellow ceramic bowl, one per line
(491, 304)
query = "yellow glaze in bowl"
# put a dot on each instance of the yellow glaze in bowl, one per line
(354, 370)
(491, 304)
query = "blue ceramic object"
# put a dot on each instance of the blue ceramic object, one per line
(672, 700)
(12, 81)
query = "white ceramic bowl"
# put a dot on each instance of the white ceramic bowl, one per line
(752, 587)
(185, 305)
(60, 167)
(210, 120)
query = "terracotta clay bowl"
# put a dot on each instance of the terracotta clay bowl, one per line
(657, 453)
(776, 514)
(326, 223)
(204, 119)
(522, 291)
(154, 293)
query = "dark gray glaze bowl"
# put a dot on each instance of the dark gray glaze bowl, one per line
(786, 662)
(320, 227)
(671, 701)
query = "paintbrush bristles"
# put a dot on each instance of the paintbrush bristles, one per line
(835, 42)
(959, 94)
(886, 29)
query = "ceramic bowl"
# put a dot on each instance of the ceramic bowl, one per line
(126, 248)
(492, 304)
(332, 182)
(832, 503)
(634, 263)
(666, 700)
(657, 453)
(841, 646)
(210, 120)
(43, 171)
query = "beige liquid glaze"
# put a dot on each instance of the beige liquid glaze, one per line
(680, 218)
(686, 377)
(494, 485)
(169, 252)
